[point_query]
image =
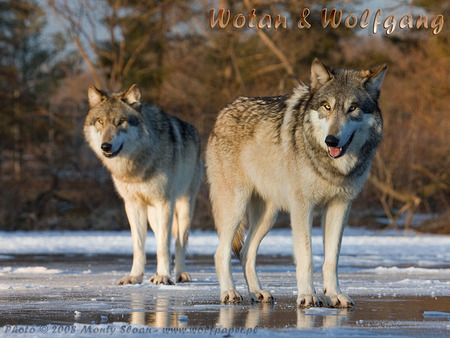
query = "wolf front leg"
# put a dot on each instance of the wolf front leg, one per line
(333, 226)
(222, 258)
(301, 223)
(229, 206)
(137, 217)
(261, 218)
(164, 217)
(181, 222)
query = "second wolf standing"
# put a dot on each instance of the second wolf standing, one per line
(307, 151)
(154, 160)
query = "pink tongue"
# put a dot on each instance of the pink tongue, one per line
(334, 152)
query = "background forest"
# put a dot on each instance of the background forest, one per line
(51, 51)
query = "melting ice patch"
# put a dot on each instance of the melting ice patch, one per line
(436, 314)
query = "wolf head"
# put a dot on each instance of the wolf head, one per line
(111, 120)
(344, 106)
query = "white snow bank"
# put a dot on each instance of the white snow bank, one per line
(30, 270)
(410, 270)
(359, 246)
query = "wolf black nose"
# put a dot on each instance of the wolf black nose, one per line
(106, 146)
(331, 141)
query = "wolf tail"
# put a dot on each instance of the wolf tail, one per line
(238, 240)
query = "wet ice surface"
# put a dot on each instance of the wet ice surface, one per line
(67, 281)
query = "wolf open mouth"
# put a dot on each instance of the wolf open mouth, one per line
(335, 152)
(114, 154)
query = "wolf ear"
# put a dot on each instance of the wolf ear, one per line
(374, 79)
(95, 96)
(320, 74)
(133, 96)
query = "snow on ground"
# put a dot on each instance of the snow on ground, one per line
(29, 270)
(359, 246)
(401, 286)
(420, 259)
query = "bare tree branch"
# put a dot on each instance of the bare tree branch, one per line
(272, 46)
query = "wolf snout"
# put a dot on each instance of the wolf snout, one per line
(108, 150)
(106, 147)
(331, 141)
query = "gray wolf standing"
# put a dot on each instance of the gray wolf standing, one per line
(154, 160)
(306, 151)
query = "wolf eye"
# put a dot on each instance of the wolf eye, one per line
(351, 108)
(100, 121)
(326, 106)
(122, 121)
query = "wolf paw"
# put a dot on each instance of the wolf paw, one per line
(231, 297)
(261, 297)
(157, 279)
(183, 278)
(307, 301)
(131, 280)
(339, 301)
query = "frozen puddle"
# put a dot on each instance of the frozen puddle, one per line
(400, 286)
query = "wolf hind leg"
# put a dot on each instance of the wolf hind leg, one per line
(229, 207)
(261, 218)
(137, 217)
(333, 223)
(163, 216)
(152, 219)
(181, 221)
